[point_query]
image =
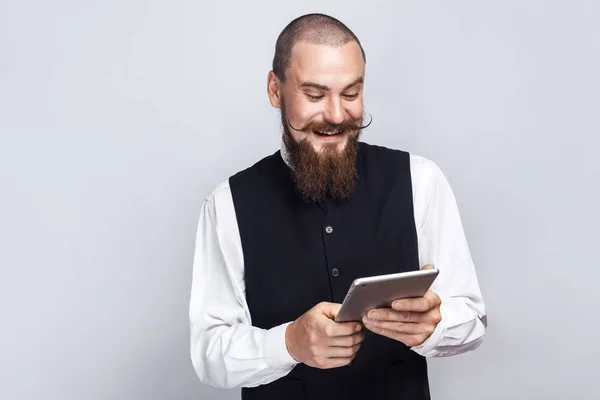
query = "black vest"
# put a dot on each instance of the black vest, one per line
(298, 254)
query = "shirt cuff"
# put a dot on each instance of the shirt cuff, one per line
(428, 347)
(274, 349)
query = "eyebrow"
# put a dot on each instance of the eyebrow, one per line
(326, 88)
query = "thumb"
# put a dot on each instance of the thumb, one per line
(428, 266)
(330, 310)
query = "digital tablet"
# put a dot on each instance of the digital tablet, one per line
(380, 291)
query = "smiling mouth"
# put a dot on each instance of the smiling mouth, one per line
(328, 134)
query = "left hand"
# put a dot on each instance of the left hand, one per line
(410, 321)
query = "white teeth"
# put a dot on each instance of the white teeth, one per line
(329, 133)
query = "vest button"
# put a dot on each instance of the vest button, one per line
(328, 229)
(335, 272)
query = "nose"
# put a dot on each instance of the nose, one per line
(334, 112)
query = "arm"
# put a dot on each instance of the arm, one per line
(442, 243)
(226, 350)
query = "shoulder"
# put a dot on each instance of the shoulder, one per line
(424, 170)
(382, 153)
(260, 167)
(219, 196)
(247, 176)
(425, 174)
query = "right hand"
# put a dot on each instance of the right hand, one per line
(316, 340)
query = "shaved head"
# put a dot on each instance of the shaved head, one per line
(314, 29)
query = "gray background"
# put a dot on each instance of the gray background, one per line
(117, 118)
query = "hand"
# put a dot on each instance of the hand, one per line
(410, 321)
(317, 341)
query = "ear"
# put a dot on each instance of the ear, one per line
(274, 89)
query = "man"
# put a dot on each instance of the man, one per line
(279, 244)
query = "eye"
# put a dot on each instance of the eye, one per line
(314, 98)
(351, 96)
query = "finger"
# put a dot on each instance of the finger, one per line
(400, 327)
(335, 329)
(406, 338)
(428, 266)
(388, 314)
(337, 362)
(347, 341)
(418, 304)
(330, 310)
(342, 352)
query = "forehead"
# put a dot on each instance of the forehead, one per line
(324, 64)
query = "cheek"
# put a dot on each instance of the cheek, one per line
(355, 109)
(305, 113)
(308, 111)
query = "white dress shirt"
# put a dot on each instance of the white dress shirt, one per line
(227, 351)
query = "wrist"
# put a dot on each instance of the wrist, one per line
(289, 340)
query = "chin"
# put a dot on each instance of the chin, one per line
(318, 147)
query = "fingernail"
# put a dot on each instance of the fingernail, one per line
(373, 315)
(358, 328)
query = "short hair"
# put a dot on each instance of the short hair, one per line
(315, 29)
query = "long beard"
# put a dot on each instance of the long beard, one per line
(330, 174)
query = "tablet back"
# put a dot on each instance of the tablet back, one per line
(380, 291)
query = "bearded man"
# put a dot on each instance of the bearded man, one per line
(280, 242)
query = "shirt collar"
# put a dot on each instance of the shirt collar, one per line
(285, 155)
